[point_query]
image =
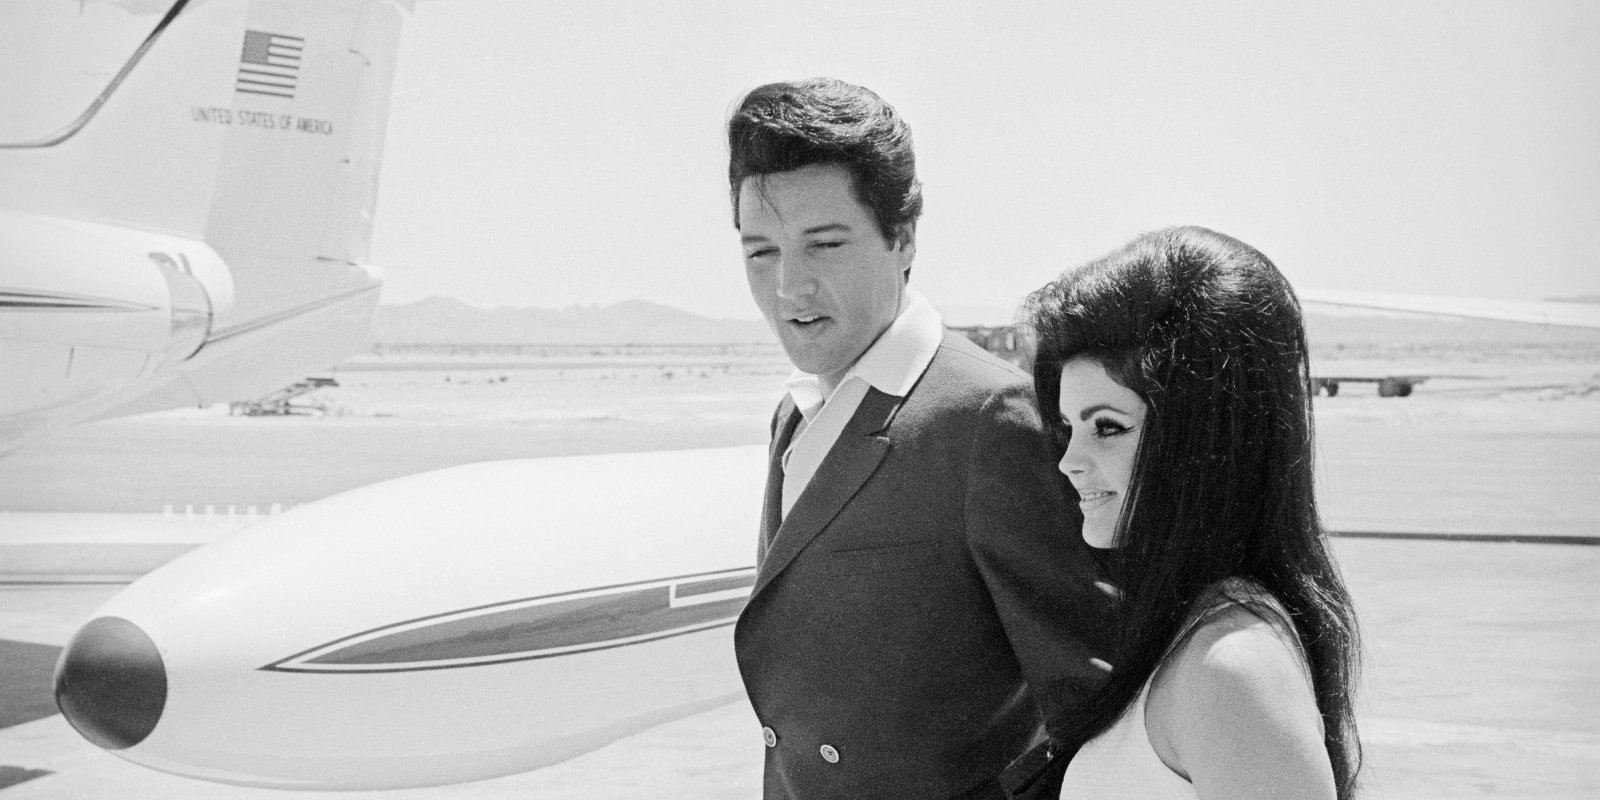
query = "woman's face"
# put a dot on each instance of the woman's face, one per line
(1105, 419)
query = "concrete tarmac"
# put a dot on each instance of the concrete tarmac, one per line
(1482, 675)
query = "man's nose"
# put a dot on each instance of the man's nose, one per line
(795, 280)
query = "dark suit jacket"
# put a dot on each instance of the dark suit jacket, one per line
(932, 565)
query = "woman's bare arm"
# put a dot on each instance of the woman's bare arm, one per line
(1233, 711)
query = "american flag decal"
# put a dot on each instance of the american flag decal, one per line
(270, 64)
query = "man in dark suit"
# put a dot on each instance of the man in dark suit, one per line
(919, 566)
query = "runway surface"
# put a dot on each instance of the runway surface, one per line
(1483, 657)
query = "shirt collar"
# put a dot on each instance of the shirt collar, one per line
(892, 364)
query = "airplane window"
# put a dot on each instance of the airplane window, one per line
(58, 56)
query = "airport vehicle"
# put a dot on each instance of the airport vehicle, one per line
(297, 398)
(1545, 313)
(1388, 385)
(1006, 341)
(1013, 344)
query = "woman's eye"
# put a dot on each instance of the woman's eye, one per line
(1106, 427)
(764, 252)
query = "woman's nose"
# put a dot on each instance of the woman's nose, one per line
(1071, 463)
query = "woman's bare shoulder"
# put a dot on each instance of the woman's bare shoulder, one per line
(1233, 710)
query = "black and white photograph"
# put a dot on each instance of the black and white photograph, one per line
(477, 399)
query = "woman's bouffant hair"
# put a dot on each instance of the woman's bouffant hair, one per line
(1208, 333)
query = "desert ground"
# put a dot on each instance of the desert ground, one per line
(1482, 671)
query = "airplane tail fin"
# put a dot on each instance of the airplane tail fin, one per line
(237, 143)
(254, 127)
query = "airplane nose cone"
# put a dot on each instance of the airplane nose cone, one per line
(111, 684)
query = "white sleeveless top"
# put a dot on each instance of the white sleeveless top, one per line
(1120, 764)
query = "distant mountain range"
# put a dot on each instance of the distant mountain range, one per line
(443, 320)
(439, 320)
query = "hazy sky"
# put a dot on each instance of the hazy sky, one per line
(556, 153)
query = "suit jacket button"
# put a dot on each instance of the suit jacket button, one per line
(769, 736)
(829, 754)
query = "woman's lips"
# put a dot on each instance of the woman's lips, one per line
(1089, 498)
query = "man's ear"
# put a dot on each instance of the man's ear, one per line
(905, 243)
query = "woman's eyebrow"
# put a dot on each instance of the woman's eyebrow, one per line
(1084, 414)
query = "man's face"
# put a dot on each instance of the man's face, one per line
(820, 270)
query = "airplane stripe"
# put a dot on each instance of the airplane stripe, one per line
(552, 628)
(544, 627)
(258, 323)
(716, 585)
(295, 667)
(18, 300)
(541, 627)
(455, 661)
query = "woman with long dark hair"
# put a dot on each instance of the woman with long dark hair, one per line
(1174, 373)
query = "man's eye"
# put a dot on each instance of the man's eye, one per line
(759, 253)
(827, 245)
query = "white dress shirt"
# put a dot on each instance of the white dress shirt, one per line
(892, 365)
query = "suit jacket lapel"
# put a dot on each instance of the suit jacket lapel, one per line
(853, 458)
